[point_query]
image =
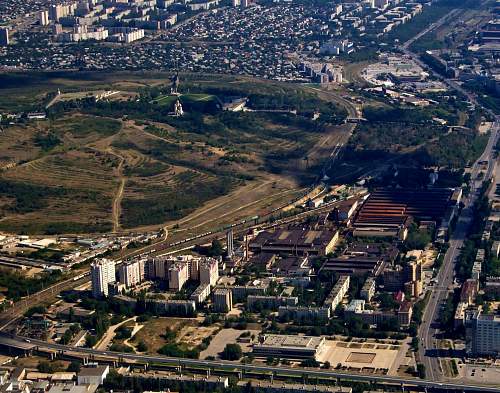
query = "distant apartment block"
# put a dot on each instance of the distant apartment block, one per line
(337, 293)
(201, 293)
(131, 273)
(270, 302)
(4, 36)
(301, 314)
(368, 289)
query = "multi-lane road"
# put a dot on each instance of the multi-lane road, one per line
(438, 294)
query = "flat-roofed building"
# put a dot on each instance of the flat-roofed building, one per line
(129, 273)
(483, 334)
(459, 317)
(361, 258)
(178, 274)
(295, 241)
(292, 266)
(223, 300)
(368, 289)
(256, 302)
(102, 273)
(337, 293)
(93, 375)
(291, 347)
(389, 211)
(492, 286)
(469, 291)
(209, 271)
(240, 292)
(282, 387)
(172, 307)
(301, 314)
(201, 293)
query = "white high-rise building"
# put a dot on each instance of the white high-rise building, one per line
(209, 271)
(223, 300)
(178, 274)
(483, 335)
(4, 36)
(230, 243)
(44, 18)
(130, 273)
(102, 272)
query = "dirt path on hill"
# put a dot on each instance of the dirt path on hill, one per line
(117, 200)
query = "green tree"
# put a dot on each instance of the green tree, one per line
(232, 352)
(421, 370)
(142, 347)
(74, 366)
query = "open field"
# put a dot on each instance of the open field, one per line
(123, 164)
(186, 333)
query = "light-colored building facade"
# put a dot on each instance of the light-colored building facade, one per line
(223, 300)
(209, 271)
(201, 293)
(43, 18)
(368, 289)
(294, 347)
(337, 293)
(483, 335)
(129, 274)
(102, 273)
(178, 274)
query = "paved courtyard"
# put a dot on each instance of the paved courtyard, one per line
(366, 356)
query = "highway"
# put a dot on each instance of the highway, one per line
(213, 365)
(438, 294)
(431, 27)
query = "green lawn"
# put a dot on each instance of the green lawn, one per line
(164, 100)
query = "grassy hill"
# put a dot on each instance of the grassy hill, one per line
(125, 162)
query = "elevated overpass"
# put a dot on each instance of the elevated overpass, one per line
(239, 368)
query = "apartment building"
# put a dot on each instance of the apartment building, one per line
(178, 274)
(483, 334)
(129, 273)
(223, 300)
(209, 271)
(102, 272)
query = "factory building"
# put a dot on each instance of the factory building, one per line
(295, 241)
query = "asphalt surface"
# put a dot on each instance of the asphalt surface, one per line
(430, 326)
(239, 367)
(438, 294)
